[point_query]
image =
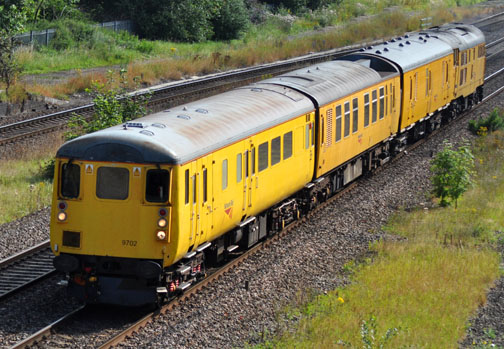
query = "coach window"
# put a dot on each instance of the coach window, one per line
(287, 145)
(186, 175)
(238, 168)
(70, 180)
(224, 174)
(338, 123)
(246, 160)
(112, 183)
(366, 110)
(374, 111)
(382, 103)
(205, 185)
(263, 156)
(355, 105)
(157, 184)
(307, 134)
(347, 119)
(275, 151)
(194, 189)
(252, 163)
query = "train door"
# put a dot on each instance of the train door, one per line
(205, 199)
(428, 94)
(249, 174)
(195, 208)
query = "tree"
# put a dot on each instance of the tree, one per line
(12, 20)
(229, 19)
(452, 171)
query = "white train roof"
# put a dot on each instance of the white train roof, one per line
(184, 133)
(414, 50)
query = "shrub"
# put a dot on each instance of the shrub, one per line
(495, 121)
(452, 171)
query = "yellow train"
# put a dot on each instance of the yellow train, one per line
(141, 209)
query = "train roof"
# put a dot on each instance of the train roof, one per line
(410, 51)
(184, 133)
(328, 81)
(414, 50)
(457, 35)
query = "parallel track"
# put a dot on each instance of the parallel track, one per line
(186, 91)
(120, 337)
(25, 268)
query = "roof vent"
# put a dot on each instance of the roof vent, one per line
(401, 45)
(420, 38)
(385, 43)
(134, 124)
(147, 133)
(158, 125)
(386, 49)
(370, 47)
(427, 35)
(425, 41)
(362, 50)
(378, 52)
(408, 43)
(393, 40)
(256, 89)
(184, 109)
(399, 38)
(185, 117)
(202, 111)
(308, 71)
(406, 36)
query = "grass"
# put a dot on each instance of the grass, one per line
(427, 285)
(23, 188)
(276, 39)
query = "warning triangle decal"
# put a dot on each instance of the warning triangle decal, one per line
(229, 212)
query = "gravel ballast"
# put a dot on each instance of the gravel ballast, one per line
(309, 260)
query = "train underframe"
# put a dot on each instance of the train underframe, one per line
(151, 284)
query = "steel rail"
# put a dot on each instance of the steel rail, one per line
(45, 332)
(488, 18)
(25, 268)
(120, 337)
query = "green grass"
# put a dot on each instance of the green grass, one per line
(277, 38)
(426, 286)
(22, 189)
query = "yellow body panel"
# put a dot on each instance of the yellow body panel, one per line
(426, 89)
(334, 150)
(470, 71)
(122, 228)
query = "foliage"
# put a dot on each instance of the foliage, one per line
(112, 106)
(495, 121)
(51, 10)
(452, 170)
(369, 332)
(229, 20)
(12, 20)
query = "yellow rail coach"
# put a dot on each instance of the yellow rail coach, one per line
(140, 210)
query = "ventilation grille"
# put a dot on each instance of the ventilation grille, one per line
(329, 127)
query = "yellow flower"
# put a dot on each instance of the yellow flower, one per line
(173, 49)
(341, 300)
(494, 177)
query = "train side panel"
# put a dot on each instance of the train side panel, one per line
(213, 194)
(355, 123)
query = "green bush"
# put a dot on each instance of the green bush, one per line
(230, 20)
(72, 33)
(495, 121)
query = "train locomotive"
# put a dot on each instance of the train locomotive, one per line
(140, 210)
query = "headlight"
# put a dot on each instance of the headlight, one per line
(62, 216)
(161, 235)
(162, 222)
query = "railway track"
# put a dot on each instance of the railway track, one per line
(187, 91)
(25, 268)
(120, 336)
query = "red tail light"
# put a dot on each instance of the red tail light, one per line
(88, 269)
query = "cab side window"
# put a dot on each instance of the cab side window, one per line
(156, 186)
(70, 181)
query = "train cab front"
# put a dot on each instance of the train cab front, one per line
(110, 230)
